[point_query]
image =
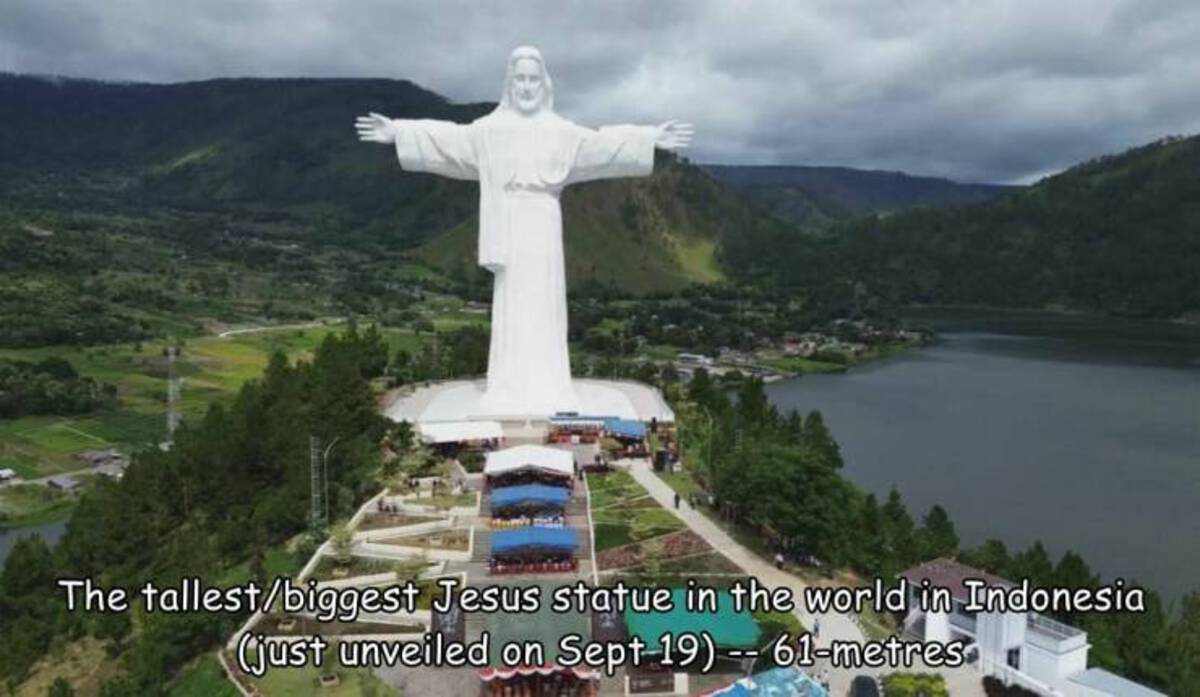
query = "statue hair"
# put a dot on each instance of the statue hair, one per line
(547, 84)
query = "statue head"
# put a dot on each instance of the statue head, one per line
(527, 85)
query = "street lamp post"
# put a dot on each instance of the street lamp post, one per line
(325, 473)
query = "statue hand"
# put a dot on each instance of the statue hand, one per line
(376, 128)
(674, 135)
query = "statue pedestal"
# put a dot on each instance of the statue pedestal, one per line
(462, 400)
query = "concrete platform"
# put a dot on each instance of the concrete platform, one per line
(459, 400)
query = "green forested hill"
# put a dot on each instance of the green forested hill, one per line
(637, 235)
(129, 208)
(284, 146)
(274, 167)
(817, 197)
(132, 210)
(1120, 234)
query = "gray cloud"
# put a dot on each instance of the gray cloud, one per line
(990, 90)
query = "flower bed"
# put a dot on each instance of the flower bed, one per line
(458, 540)
(378, 521)
(662, 550)
(298, 625)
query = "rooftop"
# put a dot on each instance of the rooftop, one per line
(1111, 684)
(948, 573)
(729, 629)
(543, 625)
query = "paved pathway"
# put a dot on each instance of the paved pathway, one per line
(280, 327)
(833, 625)
(964, 682)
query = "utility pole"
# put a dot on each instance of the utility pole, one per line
(325, 472)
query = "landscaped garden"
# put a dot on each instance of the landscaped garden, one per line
(307, 682)
(30, 504)
(298, 625)
(641, 539)
(327, 568)
(379, 521)
(623, 513)
(458, 540)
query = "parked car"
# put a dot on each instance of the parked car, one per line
(864, 686)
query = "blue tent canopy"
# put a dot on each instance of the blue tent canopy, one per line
(506, 496)
(625, 428)
(521, 539)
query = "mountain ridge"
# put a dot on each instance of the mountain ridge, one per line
(816, 196)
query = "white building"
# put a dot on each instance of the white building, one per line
(693, 360)
(1022, 648)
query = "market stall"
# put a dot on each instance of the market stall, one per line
(524, 505)
(529, 464)
(534, 550)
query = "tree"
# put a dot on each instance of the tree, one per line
(818, 438)
(60, 688)
(423, 324)
(1184, 648)
(340, 543)
(753, 407)
(875, 557)
(29, 609)
(901, 531)
(990, 556)
(1033, 564)
(374, 352)
(1073, 572)
(938, 537)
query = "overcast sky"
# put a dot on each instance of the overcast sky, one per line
(975, 90)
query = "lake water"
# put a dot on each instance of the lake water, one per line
(50, 532)
(1082, 433)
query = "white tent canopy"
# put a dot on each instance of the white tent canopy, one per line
(459, 431)
(530, 457)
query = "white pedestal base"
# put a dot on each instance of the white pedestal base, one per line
(460, 400)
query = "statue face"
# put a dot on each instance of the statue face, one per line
(528, 87)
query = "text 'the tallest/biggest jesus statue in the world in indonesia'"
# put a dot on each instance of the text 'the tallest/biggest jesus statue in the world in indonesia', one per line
(523, 154)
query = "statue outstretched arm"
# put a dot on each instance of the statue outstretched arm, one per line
(425, 145)
(625, 151)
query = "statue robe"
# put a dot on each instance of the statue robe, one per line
(522, 164)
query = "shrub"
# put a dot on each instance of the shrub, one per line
(994, 687)
(472, 460)
(915, 685)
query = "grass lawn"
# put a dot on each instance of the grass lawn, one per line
(212, 370)
(305, 682)
(458, 540)
(444, 501)
(660, 352)
(379, 521)
(699, 260)
(796, 364)
(83, 663)
(613, 487)
(205, 678)
(622, 511)
(277, 561)
(32, 504)
(682, 482)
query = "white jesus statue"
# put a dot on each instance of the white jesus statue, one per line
(523, 154)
